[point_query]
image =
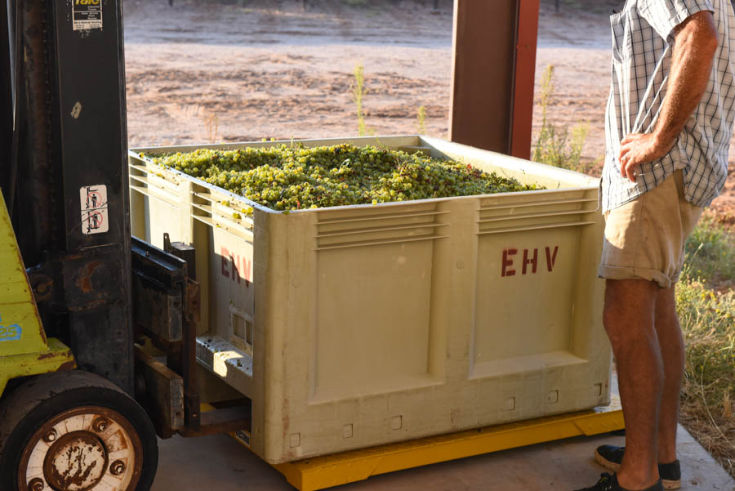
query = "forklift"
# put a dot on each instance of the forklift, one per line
(83, 304)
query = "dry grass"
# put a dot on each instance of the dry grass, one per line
(706, 306)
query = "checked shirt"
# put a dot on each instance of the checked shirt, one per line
(643, 40)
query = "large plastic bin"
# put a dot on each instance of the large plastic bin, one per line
(355, 326)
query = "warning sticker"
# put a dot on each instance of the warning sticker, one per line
(87, 14)
(95, 218)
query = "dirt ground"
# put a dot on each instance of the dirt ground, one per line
(247, 70)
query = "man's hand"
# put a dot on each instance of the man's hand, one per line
(637, 149)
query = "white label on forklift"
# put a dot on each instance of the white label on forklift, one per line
(87, 14)
(95, 218)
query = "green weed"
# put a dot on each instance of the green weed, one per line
(358, 92)
(557, 145)
(211, 123)
(710, 253)
(421, 120)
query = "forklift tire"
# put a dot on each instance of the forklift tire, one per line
(74, 430)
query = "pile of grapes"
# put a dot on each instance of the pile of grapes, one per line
(293, 177)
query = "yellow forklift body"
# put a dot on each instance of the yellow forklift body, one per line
(24, 349)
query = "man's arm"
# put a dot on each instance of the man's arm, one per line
(695, 42)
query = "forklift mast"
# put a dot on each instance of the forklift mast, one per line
(64, 175)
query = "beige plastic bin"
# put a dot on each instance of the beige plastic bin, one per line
(356, 326)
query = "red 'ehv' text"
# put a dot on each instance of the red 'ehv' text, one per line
(526, 261)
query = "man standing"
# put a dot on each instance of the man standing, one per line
(668, 125)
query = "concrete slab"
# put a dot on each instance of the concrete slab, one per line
(218, 462)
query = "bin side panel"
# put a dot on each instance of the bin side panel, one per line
(373, 324)
(231, 283)
(533, 272)
(374, 300)
(160, 213)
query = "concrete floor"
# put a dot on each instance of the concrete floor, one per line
(219, 462)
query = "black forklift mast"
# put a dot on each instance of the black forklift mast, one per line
(64, 175)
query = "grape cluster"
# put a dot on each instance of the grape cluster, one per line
(292, 177)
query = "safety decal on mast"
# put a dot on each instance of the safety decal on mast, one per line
(95, 218)
(87, 14)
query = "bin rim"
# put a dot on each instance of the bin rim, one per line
(525, 166)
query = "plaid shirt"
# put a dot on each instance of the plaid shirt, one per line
(643, 39)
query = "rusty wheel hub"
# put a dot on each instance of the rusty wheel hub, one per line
(82, 449)
(76, 461)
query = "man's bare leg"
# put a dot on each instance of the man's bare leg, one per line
(630, 309)
(672, 352)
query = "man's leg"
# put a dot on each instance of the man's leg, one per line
(672, 352)
(629, 317)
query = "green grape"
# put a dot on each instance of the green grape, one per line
(294, 177)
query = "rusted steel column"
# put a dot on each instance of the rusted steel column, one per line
(525, 71)
(494, 65)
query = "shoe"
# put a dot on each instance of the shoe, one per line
(610, 457)
(609, 482)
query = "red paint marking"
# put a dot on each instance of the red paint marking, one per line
(235, 267)
(508, 261)
(551, 258)
(533, 262)
(247, 269)
(530, 257)
(224, 253)
(235, 260)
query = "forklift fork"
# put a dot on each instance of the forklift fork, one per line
(166, 316)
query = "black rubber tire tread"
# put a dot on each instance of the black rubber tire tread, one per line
(44, 396)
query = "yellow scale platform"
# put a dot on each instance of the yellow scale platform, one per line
(344, 468)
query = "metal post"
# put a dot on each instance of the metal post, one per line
(525, 71)
(494, 64)
(93, 156)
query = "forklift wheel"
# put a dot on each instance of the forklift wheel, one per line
(75, 431)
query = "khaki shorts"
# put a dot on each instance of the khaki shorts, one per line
(644, 239)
